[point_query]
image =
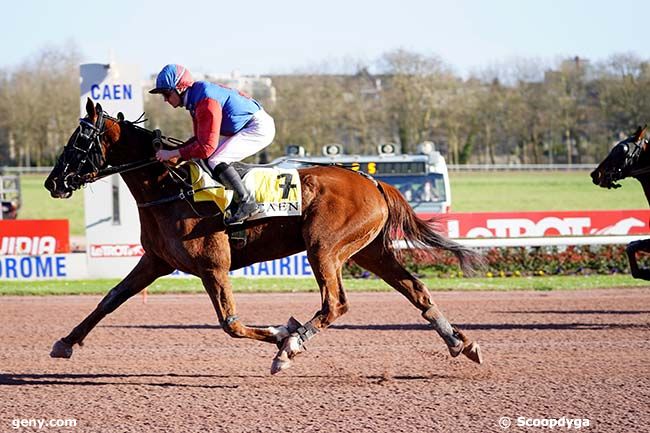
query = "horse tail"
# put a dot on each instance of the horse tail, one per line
(403, 222)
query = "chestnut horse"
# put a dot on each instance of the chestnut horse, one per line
(628, 158)
(345, 216)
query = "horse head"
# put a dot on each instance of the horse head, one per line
(625, 159)
(87, 152)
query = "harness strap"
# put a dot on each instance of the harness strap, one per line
(180, 196)
(640, 171)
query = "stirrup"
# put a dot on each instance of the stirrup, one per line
(244, 210)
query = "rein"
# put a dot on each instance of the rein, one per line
(186, 193)
(640, 171)
(118, 169)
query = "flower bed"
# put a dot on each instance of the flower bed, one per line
(521, 261)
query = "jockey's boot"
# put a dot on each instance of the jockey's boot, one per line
(244, 205)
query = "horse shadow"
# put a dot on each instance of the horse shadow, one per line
(102, 379)
(577, 326)
(622, 312)
(117, 379)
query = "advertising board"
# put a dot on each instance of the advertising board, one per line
(543, 224)
(34, 237)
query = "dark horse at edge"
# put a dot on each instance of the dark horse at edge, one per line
(628, 158)
(345, 216)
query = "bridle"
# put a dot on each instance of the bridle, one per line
(92, 154)
(628, 152)
(633, 158)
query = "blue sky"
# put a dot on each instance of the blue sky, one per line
(258, 37)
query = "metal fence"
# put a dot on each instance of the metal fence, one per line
(451, 167)
(521, 167)
(25, 170)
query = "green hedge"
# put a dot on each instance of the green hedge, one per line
(520, 261)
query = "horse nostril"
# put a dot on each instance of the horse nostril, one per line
(50, 184)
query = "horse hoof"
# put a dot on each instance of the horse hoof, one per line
(473, 352)
(280, 364)
(61, 349)
(456, 350)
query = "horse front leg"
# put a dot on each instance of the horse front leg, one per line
(631, 250)
(145, 272)
(219, 288)
(334, 305)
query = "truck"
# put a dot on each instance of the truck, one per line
(421, 177)
(10, 197)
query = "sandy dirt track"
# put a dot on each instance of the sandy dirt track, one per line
(167, 366)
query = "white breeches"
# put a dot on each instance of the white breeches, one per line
(256, 135)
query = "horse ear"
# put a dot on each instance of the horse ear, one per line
(640, 133)
(90, 109)
(98, 108)
(120, 116)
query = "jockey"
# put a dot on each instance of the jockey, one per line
(228, 126)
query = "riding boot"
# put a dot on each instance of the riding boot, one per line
(244, 205)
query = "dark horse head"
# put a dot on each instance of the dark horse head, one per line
(87, 153)
(627, 158)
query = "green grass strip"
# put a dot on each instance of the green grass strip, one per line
(284, 285)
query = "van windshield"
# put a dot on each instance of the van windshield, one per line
(419, 190)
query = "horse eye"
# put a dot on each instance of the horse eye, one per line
(624, 147)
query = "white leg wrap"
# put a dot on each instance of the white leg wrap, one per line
(442, 326)
(280, 333)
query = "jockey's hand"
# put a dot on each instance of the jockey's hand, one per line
(168, 155)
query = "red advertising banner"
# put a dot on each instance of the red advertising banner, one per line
(34, 237)
(543, 224)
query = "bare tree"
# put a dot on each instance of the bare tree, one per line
(41, 100)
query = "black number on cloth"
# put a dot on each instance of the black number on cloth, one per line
(287, 185)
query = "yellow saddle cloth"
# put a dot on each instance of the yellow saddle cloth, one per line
(277, 190)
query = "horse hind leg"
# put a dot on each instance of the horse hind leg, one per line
(385, 265)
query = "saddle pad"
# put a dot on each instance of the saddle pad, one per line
(207, 189)
(277, 190)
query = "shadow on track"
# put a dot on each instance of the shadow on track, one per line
(89, 380)
(425, 327)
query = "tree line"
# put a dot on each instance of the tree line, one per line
(520, 111)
